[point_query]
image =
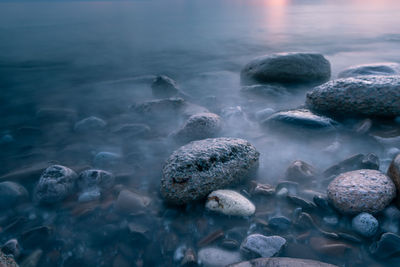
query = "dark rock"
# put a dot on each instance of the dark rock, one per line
(287, 68)
(281, 262)
(264, 91)
(394, 174)
(12, 194)
(361, 96)
(385, 68)
(164, 87)
(361, 191)
(387, 246)
(89, 125)
(262, 189)
(329, 247)
(200, 167)
(11, 247)
(356, 162)
(207, 240)
(95, 178)
(300, 171)
(55, 184)
(280, 223)
(36, 237)
(257, 245)
(7, 261)
(363, 126)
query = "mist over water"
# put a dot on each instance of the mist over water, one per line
(99, 58)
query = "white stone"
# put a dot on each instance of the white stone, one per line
(229, 202)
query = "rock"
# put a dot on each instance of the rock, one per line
(280, 223)
(200, 167)
(8, 261)
(189, 258)
(55, 184)
(287, 68)
(133, 130)
(361, 191)
(129, 202)
(257, 245)
(388, 245)
(385, 68)
(264, 114)
(365, 224)
(359, 97)
(394, 174)
(230, 203)
(199, 126)
(301, 202)
(164, 87)
(12, 247)
(215, 257)
(356, 162)
(89, 125)
(91, 194)
(299, 119)
(281, 262)
(262, 189)
(106, 160)
(12, 194)
(300, 171)
(95, 178)
(264, 91)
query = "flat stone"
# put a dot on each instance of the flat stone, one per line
(257, 245)
(361, 191)
(229, 202)
(216, 257)
(281, 262)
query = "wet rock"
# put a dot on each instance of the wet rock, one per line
(299, 118)
(322, 203)
(264, 114)
(129, 202)
(387, 246)
(356, 162)
(164, 87)
(265, 91)
(199, 126)
(361, 191)
(385, 68)
(33, 259)
(89, 125)
(365, 224)
(55, 184)
(257, 245)
(300, 171)
(361, 96)
(106, 160)
(230, 203)
(95, 178)
(394, 174)
(12, 247)
(7, 261)
(133, 130)
(12, 194)
(301, 202)
(215, 257)
(200, 167)
(287, 68)
(280, 223)
(281, 262)
(331, 220)
(262, 189)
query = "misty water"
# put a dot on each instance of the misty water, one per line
(89, 58)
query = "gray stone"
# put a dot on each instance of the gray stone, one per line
(356, 162)
(95, 178)
(216, 257)
(365, 224)
(384, 68)
(281, 262)
(361, 96)
(90, 124)
(287, 68)
(388, 245)
(131, 203)
(279, 222)
(199, 126)
(200, 167)
(164, 87)
(257, 245)
(229, 202)
(264, 91)
(361, 191)
(55, 184)
(300, 171)
(12, 194)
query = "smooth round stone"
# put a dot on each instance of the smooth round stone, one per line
(361, 96)
(287, 68)
(281, 262)
(199, 126)
(299, 118)
(164, 87)
(264, 91)
(385, 68)
(361, 191)
(106, 159)
(216, 257)
(200, 167)
(12, 194)
(90, 124)
(55, 184)
(95, 178)
(257, 245)
(229, 202)
(130, 202)
(365, 224)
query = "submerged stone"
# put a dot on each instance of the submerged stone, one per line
(257, 245)
(281, 262)
(385, 68)
(365, 224)
(216, 257)
(164, 87)
(229, 202)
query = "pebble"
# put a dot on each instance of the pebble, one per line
(361, 191)
(229, 203)
(8, 261)
(216, 257)
(280, 223)
(365, 224)
(95, 178)
(385, 68)
(130, 203)
(300, 171)
(257, 245)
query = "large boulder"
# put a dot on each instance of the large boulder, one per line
(361, 191)
(287, 68)
(385, 68)
(200, 167)
(281, 262)
(377, 96)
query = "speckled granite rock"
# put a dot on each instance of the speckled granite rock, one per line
(229, 202)
(361, 191)
(199, 126)
(394, 174)
(200, 167)
(384, 68)
(7, 261)
(281, 262)
(287, 68)
(361, 96)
